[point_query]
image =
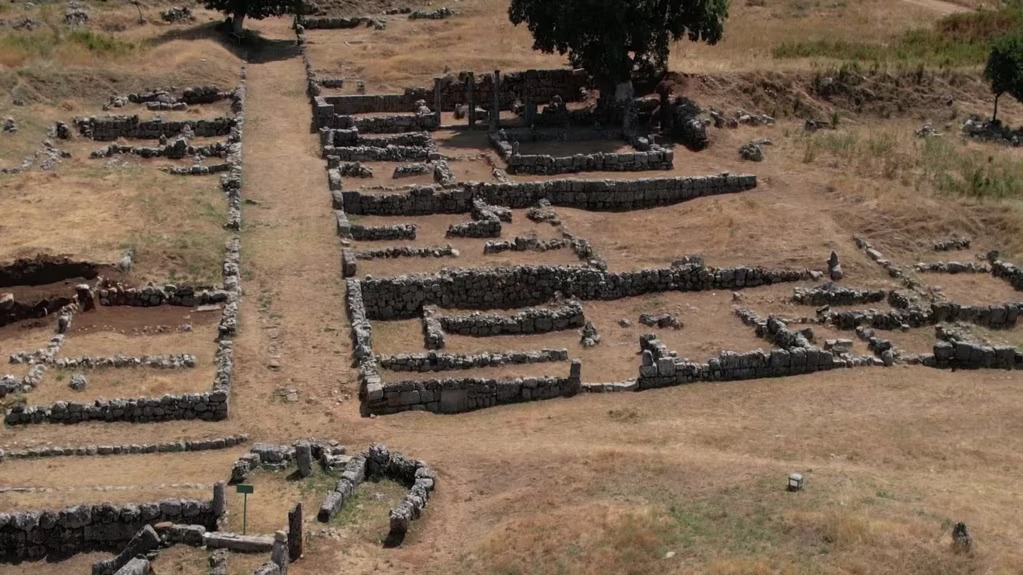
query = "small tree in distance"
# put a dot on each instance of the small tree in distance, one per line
(612, 39)
(256, 9)
(1004, 70)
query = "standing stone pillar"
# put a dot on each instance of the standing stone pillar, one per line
(295, 535)
(437, 99)
(530, 99)
(495, 111)
(470, 97)
(279, 552)
(219, 501)
(304, 457)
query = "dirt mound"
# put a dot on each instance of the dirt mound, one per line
(43, 269)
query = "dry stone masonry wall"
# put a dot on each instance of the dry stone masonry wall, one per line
(31, 535)
(433, 361)
(457, 395)
(832, 294)
(529, 321)
(128, 448)
(523, 286)
(106, 129)
(656, 158)
(593, 195)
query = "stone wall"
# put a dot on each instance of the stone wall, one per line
(506, 143)
(110, 128)
(390, 124)
(542, 164)
(433, 333)
(969, 355)
(832, 294)
(457, 395)
(661, 367)
(595, 195)
(362, 341)
(952, 267)
(32, 535)
(127, 449)
(996, 316)
(523, 286)
(374, 154)
(380, 463)
(337, 23)
(433, 361)
(1008, 272)
(375, 233)
(545, 85)
(117, 294)
(529, 321)
(210, 406)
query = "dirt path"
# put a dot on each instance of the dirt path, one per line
(294, 328)
(944, 8)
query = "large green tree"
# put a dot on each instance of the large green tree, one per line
(613, 39)
(257, 9)
(1004, 70)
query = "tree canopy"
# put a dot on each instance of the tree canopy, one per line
(1004, 70)
(611, 39)
(257, 9)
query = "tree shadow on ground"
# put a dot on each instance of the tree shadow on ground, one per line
(249, 45)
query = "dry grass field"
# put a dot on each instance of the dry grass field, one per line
(680, 480)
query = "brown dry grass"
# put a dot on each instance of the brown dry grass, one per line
(147, 491)
(79, 472)
(611, 484)
(973, 289)
(27, 335)
(93, 213)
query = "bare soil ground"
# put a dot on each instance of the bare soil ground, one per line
(683, 480)
(973, 289)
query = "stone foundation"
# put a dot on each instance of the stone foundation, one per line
(454, 395)
(32, 535)
(594, 195)
(523, 286)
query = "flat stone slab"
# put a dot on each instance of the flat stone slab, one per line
(238, 543)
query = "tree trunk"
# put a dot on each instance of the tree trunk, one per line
(624, 92)
(994, 118)
(236, 22)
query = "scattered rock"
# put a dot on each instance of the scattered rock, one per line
(752, 152)
(78, 382)
(835, 268)
(10, 126)
(175, 14)
(590, 337)
(76, 14)
(961, 540)
(662, 321)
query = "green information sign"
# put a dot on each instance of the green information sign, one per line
(245, 490)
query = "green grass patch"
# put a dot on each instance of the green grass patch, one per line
(956, 40)
(45, 42)
(939, 162)
(971, 173)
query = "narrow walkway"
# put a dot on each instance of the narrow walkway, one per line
(292, 366)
